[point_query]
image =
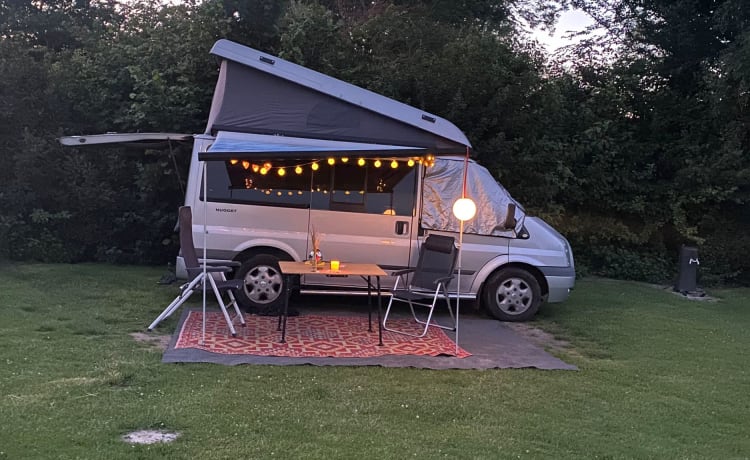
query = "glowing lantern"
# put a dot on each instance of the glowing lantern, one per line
(464, 209)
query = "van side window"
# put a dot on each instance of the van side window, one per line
(391, 191)
(249, 183)
(339, 187)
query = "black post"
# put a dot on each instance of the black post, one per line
(686, 281)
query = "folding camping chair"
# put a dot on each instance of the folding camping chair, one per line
(429, 280)
(197, 276)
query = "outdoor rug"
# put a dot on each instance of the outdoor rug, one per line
(488, 343)
(310, 336)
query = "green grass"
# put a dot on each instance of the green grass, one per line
(660, 377)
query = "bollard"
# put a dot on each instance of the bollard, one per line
(689, 262)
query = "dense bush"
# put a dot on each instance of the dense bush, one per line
(630, 156)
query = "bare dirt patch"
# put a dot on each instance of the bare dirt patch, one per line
(160, 341)
(542, 338)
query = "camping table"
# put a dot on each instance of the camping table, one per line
(366, 271)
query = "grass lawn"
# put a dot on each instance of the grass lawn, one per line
(660, 377)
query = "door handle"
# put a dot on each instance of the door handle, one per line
(402, 227)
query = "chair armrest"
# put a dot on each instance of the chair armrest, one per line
(403, 272)
(223, 263)
(445, 279)
(193, 272)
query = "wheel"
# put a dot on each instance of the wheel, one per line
(264, 285)
(512, 294)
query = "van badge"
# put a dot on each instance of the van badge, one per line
(225, 210)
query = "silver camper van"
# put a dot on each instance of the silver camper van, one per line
(374, 209)
(287, 150)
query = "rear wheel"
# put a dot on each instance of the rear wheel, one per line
(264, 285)
(512, 294)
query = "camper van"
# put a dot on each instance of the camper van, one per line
(288, 151)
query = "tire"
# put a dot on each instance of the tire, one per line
(264, 285)
(512, 294)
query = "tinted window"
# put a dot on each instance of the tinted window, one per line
(246, 183)
(342, 186)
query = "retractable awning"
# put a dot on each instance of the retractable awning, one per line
(229, 146)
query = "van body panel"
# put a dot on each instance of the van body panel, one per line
(361, 238)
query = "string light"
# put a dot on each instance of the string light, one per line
(266, 167)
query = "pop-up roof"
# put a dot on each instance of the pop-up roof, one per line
(261, 94)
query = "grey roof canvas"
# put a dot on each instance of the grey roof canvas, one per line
(263, 94)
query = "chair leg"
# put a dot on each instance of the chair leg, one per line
(399, 331)
(428, 322)
(233, 303)
(179, 300)
(222, 306)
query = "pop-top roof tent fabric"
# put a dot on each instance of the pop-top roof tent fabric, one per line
(265, 107)
(261, 94)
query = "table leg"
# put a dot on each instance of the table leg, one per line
(284, 314)
(380, 321)
(369, 304)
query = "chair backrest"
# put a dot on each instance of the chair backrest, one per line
(187, 248)
(437, 259)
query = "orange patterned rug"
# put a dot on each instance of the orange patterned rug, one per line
(311, 336)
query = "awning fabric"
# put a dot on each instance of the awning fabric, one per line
(229, 145)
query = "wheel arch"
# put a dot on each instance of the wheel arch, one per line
(531, 269)
(279, 250)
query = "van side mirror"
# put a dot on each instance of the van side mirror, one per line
(510, 217)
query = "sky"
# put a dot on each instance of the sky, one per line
(574, 20)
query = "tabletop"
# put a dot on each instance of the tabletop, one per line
(304, 268)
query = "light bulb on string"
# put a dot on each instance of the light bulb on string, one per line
(344, 159)
(410, 162)
(267, 165)
(377, 163)
(361, 162)
(234, 161)
(281, 172)
(331, 161)
(314, 166)
(256, 168)
(394, 164)
(246, 164)
(263, 170)
(298, 169)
